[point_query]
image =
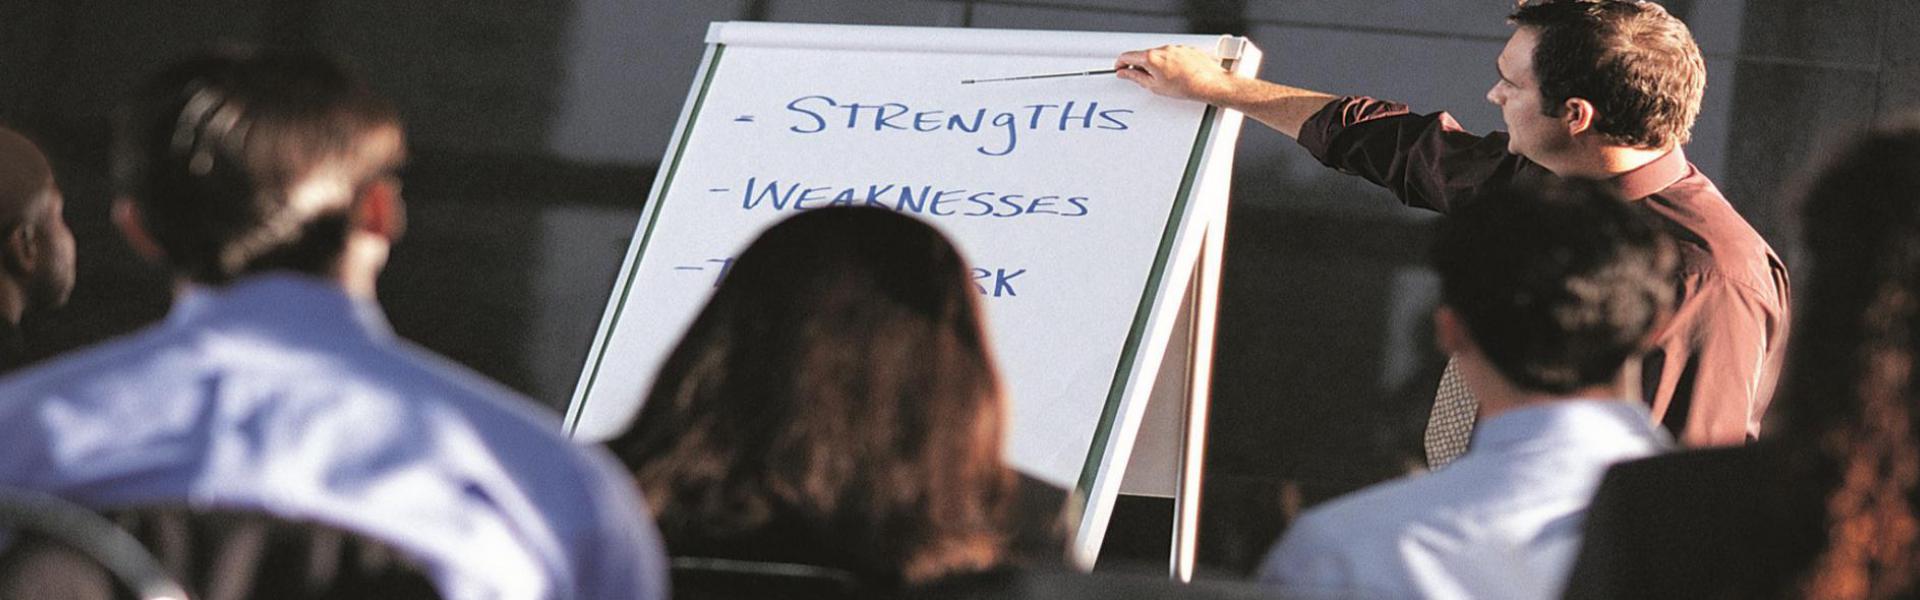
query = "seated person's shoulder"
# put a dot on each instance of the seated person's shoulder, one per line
(1335, 536)
(335, 416)
(77, 373)
(1385, 510)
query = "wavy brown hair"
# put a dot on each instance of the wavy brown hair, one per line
(1851, 384)
(839, 379)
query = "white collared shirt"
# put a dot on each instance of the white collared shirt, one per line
(1501, 522)
(280, 393)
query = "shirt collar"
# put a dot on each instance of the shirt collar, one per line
(302, 304)
(1652, 177)
(1566, 420)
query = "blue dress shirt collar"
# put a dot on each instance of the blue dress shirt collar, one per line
(308, 306)
(1560, 422)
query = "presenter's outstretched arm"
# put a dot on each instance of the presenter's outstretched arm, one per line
(1188, 73)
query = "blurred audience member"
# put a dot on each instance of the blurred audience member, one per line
(37, 273)
(1830, 507)
(836, 404)
(1547, 294)
(265, 183)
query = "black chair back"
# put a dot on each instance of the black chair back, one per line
(700, 578)
(221, 555)
(1069, 585)
(29, 520)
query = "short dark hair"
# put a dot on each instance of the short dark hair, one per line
(1558, 283)
(839, 383)
(214, 149)
(1636, 63)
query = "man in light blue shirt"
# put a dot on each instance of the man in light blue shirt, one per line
(1547, 292)
(265, 182)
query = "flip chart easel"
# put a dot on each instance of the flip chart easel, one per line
(1088, 208)
(1169, 455)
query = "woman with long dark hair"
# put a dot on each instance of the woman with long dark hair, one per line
(834, 404)
(1829, 506)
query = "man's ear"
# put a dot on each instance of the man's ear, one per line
(127, 218)
(1450, 333)
(380, 211)
(22, 251)
(1577, 115)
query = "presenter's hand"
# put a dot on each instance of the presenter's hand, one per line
(1179, 72)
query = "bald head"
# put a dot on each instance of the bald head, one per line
(36, 248)
(25, 177)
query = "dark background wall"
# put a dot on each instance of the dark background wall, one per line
(536, 125)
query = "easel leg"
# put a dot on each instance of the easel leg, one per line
(1203, 299)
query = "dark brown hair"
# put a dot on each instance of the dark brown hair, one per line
(1558, 283)
(839, 383)
(1636, 63)
(1852, 381)
(213, 148)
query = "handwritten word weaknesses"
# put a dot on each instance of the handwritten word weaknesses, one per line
(776, 195)
(821, 113)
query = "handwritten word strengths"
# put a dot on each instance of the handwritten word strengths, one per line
(815, 114)
(776, 195)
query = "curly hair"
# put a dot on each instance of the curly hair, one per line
(1852, 383)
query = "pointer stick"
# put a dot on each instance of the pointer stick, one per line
(1046, 76)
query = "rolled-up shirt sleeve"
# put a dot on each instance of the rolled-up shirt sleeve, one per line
(1428, 161)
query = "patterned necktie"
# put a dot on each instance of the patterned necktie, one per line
(1450, 425)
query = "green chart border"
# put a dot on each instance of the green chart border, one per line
(1136, 336)
(653, 217)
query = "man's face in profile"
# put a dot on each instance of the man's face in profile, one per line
(1531, 132)
(52, 289)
